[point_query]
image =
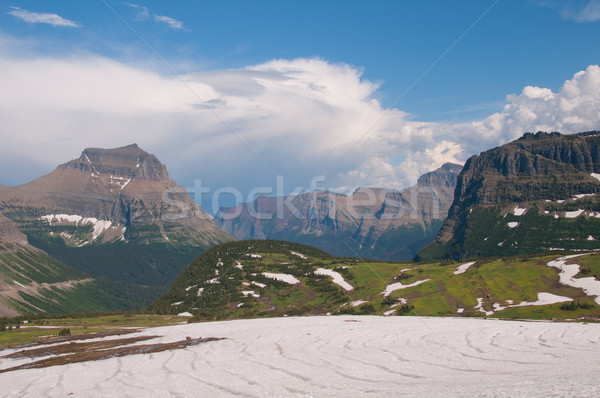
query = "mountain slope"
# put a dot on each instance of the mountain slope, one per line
(260, 278)
(116, 215)
(534, 195)
(32, 281)
(372, 222)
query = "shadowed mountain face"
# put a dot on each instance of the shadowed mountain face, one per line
(534, 195)
(126, 190)
(372, 222)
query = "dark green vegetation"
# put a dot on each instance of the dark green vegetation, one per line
(133, 274)
(551, 177)
(227, 282)
(397, 243)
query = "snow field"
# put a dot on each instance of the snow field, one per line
(340, 356)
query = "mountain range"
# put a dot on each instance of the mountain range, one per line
(114, 216)
(535, 195)
(370, 223)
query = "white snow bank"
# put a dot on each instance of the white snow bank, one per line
(184, 314)
(573, 214)
(590, 285)
(463, 268)
(519, 211)
(513, 224)
(544, 299)
(329, 356)
(338, 279)
(282, 277)
(479, 307)
(302, 256)
(259, 284)
(254, 255)
(357, 303)
(596, 176)
(389, 289)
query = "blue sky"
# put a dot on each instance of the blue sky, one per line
(422, 72)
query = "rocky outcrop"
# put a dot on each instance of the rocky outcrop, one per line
(371, 222)
(126, 187)
(550, 173)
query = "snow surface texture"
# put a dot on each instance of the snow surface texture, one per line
(338, 279)
(341, 356)
(463, 268)
(590, 285)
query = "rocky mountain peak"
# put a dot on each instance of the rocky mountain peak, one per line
(445, 176)
(128, 162)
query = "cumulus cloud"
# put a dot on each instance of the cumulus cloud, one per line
(299, 119)
(45, 18)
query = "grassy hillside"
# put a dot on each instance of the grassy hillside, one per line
(229, 281)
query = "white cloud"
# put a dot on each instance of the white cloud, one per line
(144, 14)
(172, 22)
(45, 18)
(300, 116)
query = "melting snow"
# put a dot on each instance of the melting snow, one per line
(282, 277)
(460, 310)
(254, 255)
(199, 292)
(513, 224)
(573, 214)
(239, 265)
(247, 293)
(518, 211)
(591, 238)
(357, 303)
(479, 307)
(259, 284)
(388, 313)
(389, 289)
(302, 256)
(596, 176)
(190, 287)
(184, 314)
(338, 279)
(590, 285)
(512, 359)
(177, 303)
(544, 299)
(462, 268)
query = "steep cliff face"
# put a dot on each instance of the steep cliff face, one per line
(535, 194)
(372, 222)
(123, 193)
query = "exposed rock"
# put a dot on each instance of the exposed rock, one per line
(372, 222)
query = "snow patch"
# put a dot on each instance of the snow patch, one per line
(302, 256)
(185, 314)
(460, 310)
(590, 285)
(518, 211)
(513, 224)
(338, 279)
(573, 214)
(590, 237)
(596, 176)
(357, 303)
(239, 265)
(389, 289)
(254, 255)
(177, 303)
(259, 284)
(544, 299)
(388, 313)
(290, 279)
(463, 268)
